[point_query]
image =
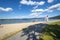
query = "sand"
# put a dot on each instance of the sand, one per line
(11, 28)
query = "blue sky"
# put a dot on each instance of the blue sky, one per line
(28, 8)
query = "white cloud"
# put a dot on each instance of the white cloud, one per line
(33, 14)
(31, 2)
(50, 1)
(41, 3)
(35, 7)
(37, 12)
(54, 7)
(5, 9)
(49, 9)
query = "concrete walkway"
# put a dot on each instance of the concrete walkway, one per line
(30, 33)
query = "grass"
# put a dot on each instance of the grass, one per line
(10, 34)
(51, 31)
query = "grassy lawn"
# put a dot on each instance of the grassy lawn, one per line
(51, 32)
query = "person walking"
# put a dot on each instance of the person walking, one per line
(46, 18)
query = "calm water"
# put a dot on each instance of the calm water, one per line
(9, 21)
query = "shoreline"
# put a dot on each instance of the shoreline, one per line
(28, 22)
(11, 28)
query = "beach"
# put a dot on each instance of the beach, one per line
(7, 29)
(11, 28)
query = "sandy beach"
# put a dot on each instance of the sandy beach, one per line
(11, 28)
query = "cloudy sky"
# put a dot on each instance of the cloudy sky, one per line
(29, 8)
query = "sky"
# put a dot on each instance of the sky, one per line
(10, 9)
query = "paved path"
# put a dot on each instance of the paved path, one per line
(30, 33)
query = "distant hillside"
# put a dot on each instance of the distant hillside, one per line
(56, 17)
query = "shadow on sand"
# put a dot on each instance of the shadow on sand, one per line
(33, 31)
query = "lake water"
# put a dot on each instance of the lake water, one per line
(9, 21)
